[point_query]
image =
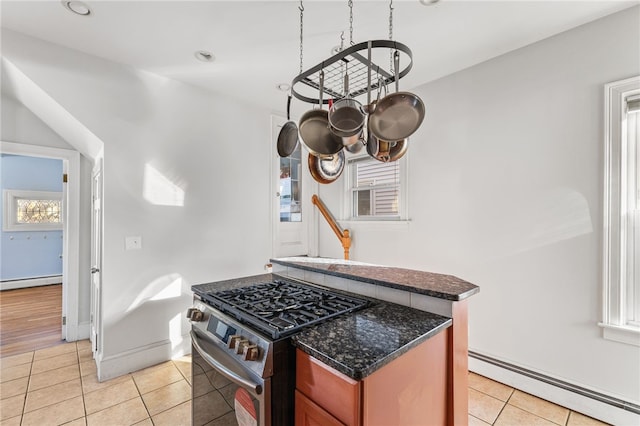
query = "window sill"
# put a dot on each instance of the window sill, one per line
(375, 224)
(622, 334)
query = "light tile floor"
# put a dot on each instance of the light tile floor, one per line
(58, 385)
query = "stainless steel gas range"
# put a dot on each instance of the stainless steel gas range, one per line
(243, 363)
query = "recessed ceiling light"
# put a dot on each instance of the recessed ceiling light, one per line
(428, 2)
(77, 7)
(284, 87)
(204, 56)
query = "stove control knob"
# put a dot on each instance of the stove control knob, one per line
(251, 353)
(233, 341)
(196, 315)
(241, 344)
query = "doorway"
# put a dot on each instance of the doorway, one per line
(69, 328)
(32, 233)
(293, 215)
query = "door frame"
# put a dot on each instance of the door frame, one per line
(70, 228)
(310, 188)
(97, 233)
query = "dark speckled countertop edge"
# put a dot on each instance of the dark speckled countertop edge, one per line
(455, 297)
(359, 374)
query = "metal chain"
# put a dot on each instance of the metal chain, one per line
(351, 22)
(391, 34)
(342, 68)
(301, 7)
(390, 19)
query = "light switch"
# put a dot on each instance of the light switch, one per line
(133, 243)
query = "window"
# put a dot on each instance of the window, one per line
(291, 187)
(32, 210)
(375, 189)
(621, 310)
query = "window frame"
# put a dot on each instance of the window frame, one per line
(10, 220)
(614, 322)
(348, 204)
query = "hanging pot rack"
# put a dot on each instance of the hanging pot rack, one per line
(361, 65)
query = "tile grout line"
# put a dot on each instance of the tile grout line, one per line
(84, 406)
(534, 414)
(141, 398)
(24, 402)
(513, 390)
(180, 371)
(504, 403)
(499, 413)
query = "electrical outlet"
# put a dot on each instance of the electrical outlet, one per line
(133, 243)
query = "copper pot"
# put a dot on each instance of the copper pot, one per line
(326, 169)
(385, 151)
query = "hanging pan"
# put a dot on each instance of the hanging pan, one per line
(386, 151)
(326, 169)
(314, 129)
(398, 115)
(288, 136)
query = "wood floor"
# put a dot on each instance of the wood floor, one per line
(30, 319)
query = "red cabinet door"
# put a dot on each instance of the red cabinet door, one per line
(309, 413)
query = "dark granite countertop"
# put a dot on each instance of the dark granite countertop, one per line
(432, 284)
(358, 343)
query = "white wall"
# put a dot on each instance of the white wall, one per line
(21, 126)
(505, 191)
(161, 137)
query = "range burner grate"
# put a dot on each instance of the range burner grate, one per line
(280, 308)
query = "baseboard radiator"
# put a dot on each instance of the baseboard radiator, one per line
(588, 393)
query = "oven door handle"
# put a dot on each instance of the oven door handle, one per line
(223, 369)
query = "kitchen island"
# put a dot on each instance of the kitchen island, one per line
(445, 295)
(399, 359)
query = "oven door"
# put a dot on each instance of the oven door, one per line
(223, 390)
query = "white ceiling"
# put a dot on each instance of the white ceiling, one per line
(256, 43)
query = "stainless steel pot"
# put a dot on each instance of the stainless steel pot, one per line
(314, 129)
(346, 117)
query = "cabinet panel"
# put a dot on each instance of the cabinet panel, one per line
(333, 391)
(410, 390)
(310, 414)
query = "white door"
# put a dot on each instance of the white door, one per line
(96, 254)
(292, 208)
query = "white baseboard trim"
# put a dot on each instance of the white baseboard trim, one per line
(30, 282)
(142, 357)
(78, 332)
(577, 398)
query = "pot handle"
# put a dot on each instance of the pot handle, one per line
(321, 86)
(381, 85)
(289, 107)
(346, 84)
(396, 67)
